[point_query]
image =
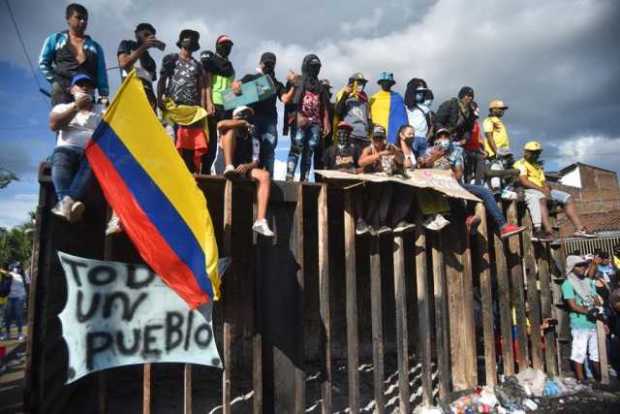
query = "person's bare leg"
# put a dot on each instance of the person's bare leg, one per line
(262, 191)
(228, 146)
(544, 214)
(579, 371)
(570, 209)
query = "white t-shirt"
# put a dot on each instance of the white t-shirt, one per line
(417, 119)
(81, 128)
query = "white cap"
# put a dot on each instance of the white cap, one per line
(240, 109)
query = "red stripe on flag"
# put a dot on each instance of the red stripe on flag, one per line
(151, 245)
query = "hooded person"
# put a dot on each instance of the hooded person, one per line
(221, 73)
(343, 155)
(456, 115)
(352, 108)
(418, 101)
(387, 108)
(308, 117)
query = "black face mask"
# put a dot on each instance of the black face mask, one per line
(223, 49)
(269, 68)
(313, 70)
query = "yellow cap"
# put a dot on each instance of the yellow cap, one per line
(533, 146)
(497, 104)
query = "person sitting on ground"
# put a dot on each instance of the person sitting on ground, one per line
(538, 192)
(75, 123)
(388, 204)
(343, 155)
(418, 101)
(446, 155)
(184, 98)
(456, 115)
(134, 54)
(71, 52)
(238, 156)
(352, 108)
(579, 293)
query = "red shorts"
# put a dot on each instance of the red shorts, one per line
(193, 139)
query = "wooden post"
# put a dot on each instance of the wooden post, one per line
(469, 324)
(146, 388)
(300, 375)
(351, 304)
(486, 292)
(227, 244)
(257, 337)
(546, 301)
(377, 323)
(402, 340)
(187, 389)
(424, 320)
(518, 297)
(602, 351)
(441, 317)
(533, 295)
(505, 318)
(323, 228)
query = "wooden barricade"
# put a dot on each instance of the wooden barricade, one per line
(303, 312)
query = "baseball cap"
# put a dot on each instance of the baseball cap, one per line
(82, 77)
(344, 125)
(378, 131)
(497, 104)
(268, 57)
(572, 261)
(241, 109)
(223, 38)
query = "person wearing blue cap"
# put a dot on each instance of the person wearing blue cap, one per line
(74, 124)
(387, 108)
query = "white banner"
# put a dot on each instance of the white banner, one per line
(122, 314)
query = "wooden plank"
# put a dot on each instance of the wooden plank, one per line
(505, 314)
(402, 340)
(441, 317)
(351, 304)
(300, 375)
(257, 337)
(517, 291)
(546, 301)
(468, 321)
(533, 295)
(424, 319)
(146, 389)
(486, 293)
(323, 230)
(377, 324)
(226, 331)
(602, 352)
(102, 402)
(187, 389)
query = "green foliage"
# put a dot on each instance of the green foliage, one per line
(16, 243)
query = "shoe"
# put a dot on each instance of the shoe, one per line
(63, 208)
(113, 226)
(583, 233)
(435, 222)
(383, 229)
(230, 172)
(361, 227)
(403, 226)
(472, 223)
(542, 236)
(261, 227)
(508, 195)
(510, 230)
(76, 211)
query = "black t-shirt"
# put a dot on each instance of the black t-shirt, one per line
(183, 86)
(145, 61)
(345, 158)
(267, 107)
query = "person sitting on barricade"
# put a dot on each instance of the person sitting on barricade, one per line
(75, 123)
(388, 204)
(343, 155)
(237, 157)
(446, 155)
(538, 192)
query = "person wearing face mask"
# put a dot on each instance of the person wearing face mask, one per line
(328, 139)
(222, 74)
(307, 116)
(74, 123)
(444, 154)
(265, 117)
(418, 101)
(135, 54)
(538, 192)
(494, 129)
(456, 115)
(352, 108)
(71, 52)
(475, 165)
(387, 108)
(343, 155)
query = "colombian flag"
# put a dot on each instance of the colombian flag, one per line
(388, 110)
(157, 199)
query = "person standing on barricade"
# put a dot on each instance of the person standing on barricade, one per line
(352, 108)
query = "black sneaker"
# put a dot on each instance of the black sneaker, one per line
(361, 227)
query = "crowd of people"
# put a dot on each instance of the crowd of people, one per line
(385, 133)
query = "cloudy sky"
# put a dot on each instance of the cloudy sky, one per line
(555, 63)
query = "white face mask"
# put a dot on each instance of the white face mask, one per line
(428, 102)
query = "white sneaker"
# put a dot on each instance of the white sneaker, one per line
(508, 195)
(113, 226)
(436, 222)
(76, 211)
(63, 208)
(261, 227)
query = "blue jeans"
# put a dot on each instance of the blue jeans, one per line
(489, 202)
(14, 312)
(70, 172)
(419, 146)
(304, 142)
(267, 132)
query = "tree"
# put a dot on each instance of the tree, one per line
(16, 243)
(6, 177)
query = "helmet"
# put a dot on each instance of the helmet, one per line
(497, 104)
(533, 146)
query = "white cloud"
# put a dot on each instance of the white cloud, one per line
(14, 210)
(596, 150)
